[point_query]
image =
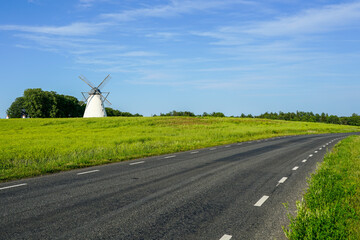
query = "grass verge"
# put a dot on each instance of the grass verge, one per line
(31, 147)
(330, 208)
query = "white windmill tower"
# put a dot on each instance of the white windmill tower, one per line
(95, 99)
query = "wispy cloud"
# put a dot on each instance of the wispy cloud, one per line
(139, 54)
(91, 3)
(164, 36)
(310, 22)
(86, 3)
(175, 8)
(249, 82)
(287, 43)
(326, 19)
(73, 29)
(74, 45)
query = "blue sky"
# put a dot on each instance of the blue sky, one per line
(232, 56)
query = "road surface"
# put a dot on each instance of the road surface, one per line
(234, 191)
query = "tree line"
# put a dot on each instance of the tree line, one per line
(354, 119)
(190, 114)
(36, 103)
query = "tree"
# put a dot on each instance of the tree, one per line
(37, 103)
(113, 112)
(69, 106)
(217, 114)
(176, 113)
(333, 119)
(17, 108)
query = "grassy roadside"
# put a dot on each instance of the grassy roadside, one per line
(331, 206)
(30, 147)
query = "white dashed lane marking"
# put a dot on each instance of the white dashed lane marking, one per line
(228, 146)
(194, 152)
(304, 160)
(13, 186)
(87, 172)
(212, 149)
(226, 237)
(172, 156)
(282, 180)
(135, 163)
(295, 168)
(261, 201)
(310, 155)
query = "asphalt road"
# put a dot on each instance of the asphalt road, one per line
(227, 192)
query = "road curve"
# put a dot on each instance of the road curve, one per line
(226, 192)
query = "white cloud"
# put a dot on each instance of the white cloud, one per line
(173, 9)
(76, 45)
(90, 3)
(86, 3)
(164, 36)
(306, 24)
(74, 29)
(139, 54)
(326, 19)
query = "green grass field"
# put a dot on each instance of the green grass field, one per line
(30, 147)
(331, 205)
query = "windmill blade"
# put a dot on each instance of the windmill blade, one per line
(85, 97)
(108, 102)
(105, 97)
(104, 81)
(86, 81)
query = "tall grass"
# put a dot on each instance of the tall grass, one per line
(30, 147)
(331, 206)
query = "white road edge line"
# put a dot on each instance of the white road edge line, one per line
(12, 186)
(172, 156)
(87, 172)
(226, 237)
(295, 168)
(194, 152)
(261, 201)
(134, 163)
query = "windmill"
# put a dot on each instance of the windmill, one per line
(95, 99)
